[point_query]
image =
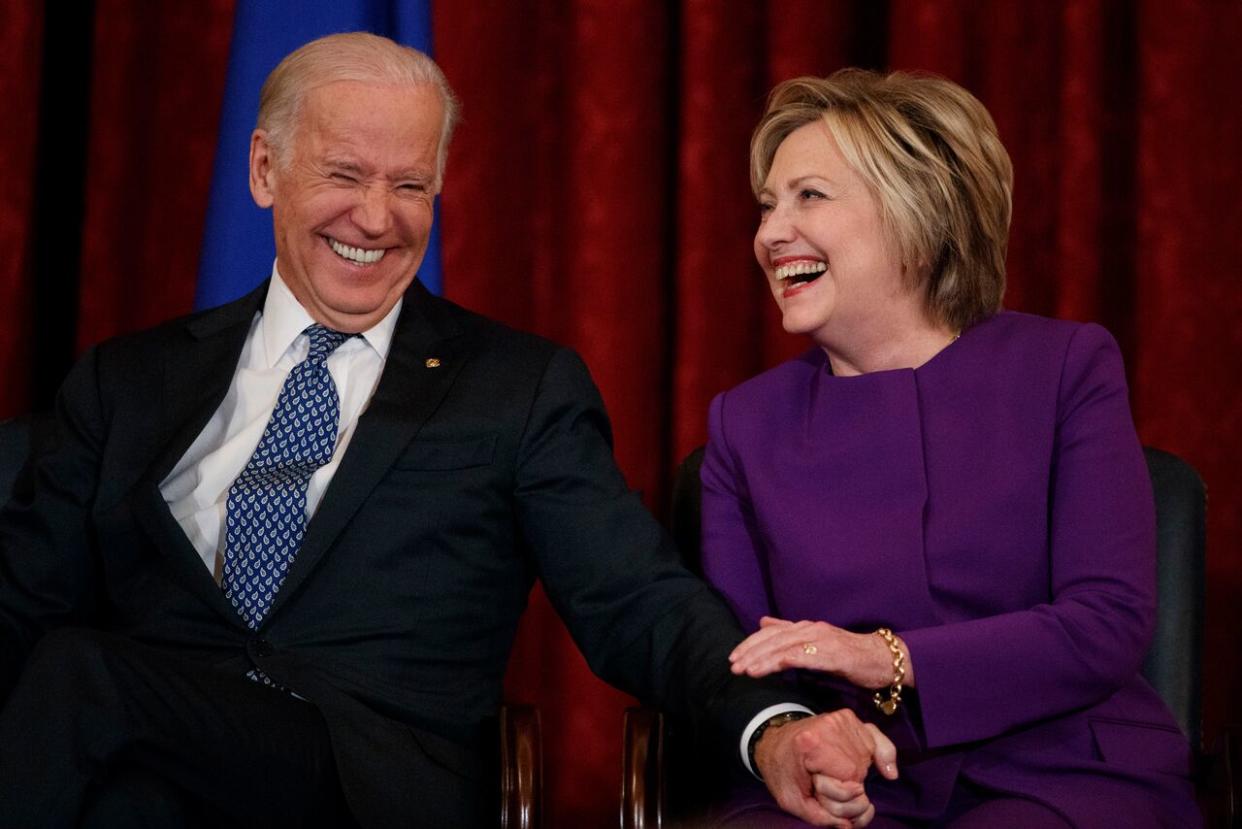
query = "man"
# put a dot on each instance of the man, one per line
(270, 568)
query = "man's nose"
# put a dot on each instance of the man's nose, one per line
(372, 214)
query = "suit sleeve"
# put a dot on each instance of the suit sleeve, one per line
(47, 562)
(733, 552)
(644, 623)
(980, 678)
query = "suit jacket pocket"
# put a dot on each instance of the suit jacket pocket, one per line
(446, 454)
(1142, 746)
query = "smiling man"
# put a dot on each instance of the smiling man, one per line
(352, 197)
(269, 569)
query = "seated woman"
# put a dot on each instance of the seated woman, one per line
(950, 497)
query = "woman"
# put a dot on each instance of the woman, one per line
(949, 496)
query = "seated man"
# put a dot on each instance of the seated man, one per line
(269, 568)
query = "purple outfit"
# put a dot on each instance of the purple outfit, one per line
(993, 508)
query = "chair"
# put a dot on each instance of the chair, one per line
(643, 804)
(521, 767)
(521, 755)
(1173, 665)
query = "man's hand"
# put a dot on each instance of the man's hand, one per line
(814, 767)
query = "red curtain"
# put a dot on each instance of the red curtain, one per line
(156, 88)
(597, 194)
(21, 34)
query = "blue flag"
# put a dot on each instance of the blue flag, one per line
(238, 249)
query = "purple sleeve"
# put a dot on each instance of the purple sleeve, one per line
(980, 678)
(731, 547)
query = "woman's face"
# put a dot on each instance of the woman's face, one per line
(821, 243)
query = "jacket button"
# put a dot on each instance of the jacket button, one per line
(263, 648)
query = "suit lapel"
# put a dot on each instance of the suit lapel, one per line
(197, 371)
(408, 393)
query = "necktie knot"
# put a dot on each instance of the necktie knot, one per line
(323, 341)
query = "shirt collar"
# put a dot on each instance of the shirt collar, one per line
(284, 318)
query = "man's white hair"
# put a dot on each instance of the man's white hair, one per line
(351, 56)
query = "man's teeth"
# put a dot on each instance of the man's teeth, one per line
(800, 269)
(359, 255)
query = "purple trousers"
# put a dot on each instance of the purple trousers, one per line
(1013, 813)
(970, 808)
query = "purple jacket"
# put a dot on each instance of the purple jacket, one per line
(992, 507)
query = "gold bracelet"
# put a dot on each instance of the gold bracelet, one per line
(889, 704)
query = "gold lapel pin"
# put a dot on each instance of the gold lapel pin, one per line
(432, 362)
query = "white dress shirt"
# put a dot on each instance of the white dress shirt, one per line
(197, 489)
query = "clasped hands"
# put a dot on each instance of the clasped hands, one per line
(815, 767)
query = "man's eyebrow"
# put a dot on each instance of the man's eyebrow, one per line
(412, 174)
(344, 164)
(348, 165)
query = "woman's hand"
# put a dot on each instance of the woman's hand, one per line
(815, 767)
(853, 811)
(862, 659)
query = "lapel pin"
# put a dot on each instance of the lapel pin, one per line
(432, 362)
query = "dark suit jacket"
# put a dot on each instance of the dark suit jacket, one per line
(463, 483)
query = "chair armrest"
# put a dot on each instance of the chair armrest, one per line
(1230, 753)
(1219, 780)
(521, 768)
(642, 769)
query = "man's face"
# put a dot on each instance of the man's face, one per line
(352, 201)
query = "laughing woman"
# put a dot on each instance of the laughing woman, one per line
(940, 514)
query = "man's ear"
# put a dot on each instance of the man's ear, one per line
(262, 170)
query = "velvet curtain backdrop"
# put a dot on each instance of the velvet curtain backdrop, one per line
(597, 194)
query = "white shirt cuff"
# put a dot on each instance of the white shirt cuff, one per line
(758, 720)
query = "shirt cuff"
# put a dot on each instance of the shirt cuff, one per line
(758, 720)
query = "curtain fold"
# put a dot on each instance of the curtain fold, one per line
(157, 81)
(597, 193)
(21, 37)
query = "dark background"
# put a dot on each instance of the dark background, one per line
(597, 194)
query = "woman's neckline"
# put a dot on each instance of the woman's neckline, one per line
(933, 359)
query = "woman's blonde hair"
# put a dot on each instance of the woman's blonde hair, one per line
(929, 152)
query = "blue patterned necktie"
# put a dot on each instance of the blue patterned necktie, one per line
(266, 515)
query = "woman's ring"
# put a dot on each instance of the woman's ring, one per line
(809, 648)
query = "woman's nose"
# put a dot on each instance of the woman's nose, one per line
(776, 228)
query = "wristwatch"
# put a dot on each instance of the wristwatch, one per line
(772, 722)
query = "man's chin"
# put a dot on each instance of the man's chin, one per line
(352, 314)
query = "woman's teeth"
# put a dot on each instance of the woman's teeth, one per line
(800, 269)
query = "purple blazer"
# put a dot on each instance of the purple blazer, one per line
(992, 507)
